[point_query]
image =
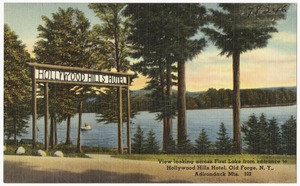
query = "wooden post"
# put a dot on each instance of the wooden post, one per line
(34, 107)
(46, 115)
(68, 141)
(51, 141)
(128, 121)
(79, 126)
(120, 145)
(55, 131)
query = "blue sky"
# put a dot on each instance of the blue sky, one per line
(273, 66)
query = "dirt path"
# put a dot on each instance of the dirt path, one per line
(104, 169)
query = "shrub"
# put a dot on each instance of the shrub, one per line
(138, 141)
(224, 144)
(203, 144)
(151, 145)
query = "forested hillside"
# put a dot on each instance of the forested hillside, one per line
(143, 100)
(222, 98)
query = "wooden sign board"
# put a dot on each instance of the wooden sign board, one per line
(73, 75)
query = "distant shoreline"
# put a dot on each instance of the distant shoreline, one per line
(273, 105)
(245, 106)
(248, 106)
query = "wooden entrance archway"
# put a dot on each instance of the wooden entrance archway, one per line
(44, 73)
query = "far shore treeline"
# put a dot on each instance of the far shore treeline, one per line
(144, 100)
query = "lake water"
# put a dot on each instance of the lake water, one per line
(105, 135)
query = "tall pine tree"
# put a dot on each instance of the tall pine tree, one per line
(17, 85)
(138, 141)
(251, 132)
(65, 39)
(162, 36)
(151, 26)
(203, 144)
(261, 136)
(151, 144)
(289, 136)
(274, 137)
(224, 143)
(238, 28)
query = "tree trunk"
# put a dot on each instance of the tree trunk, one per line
(55, 132)
(128, 120)
(68, 142)
(169, 93)
(119, 89)
(120, 120)
(116, 37)
(34, 106)
(79, 126)
(236, 102)
(15, 128)
(181, 125)
(162, 88)
(51, 141)
(46, 115)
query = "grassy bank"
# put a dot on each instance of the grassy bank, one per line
(244, 158)
(68, 150)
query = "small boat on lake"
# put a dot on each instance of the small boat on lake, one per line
(86, 126)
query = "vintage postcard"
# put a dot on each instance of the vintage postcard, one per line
(147, 92)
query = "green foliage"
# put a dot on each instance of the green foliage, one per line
(264, 137)
(142, 146)
(107, 106)
(166, 105)
(112, 35)
(235, 30)
(256, 134)
(11, 149)
(170, 146)
(185, 147)
(112, 38)
(66, 41)
(251, 134)
(166, 31)
(274, 137)
(262, 134)
(203, 145)
(151, 145)
(222, 98)
(147, 100)
(17, 85)
(68, 150)
(138, 141)
(152, 50)
(100, 150)
(224, 144)
(289, 136)
(142, 102)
